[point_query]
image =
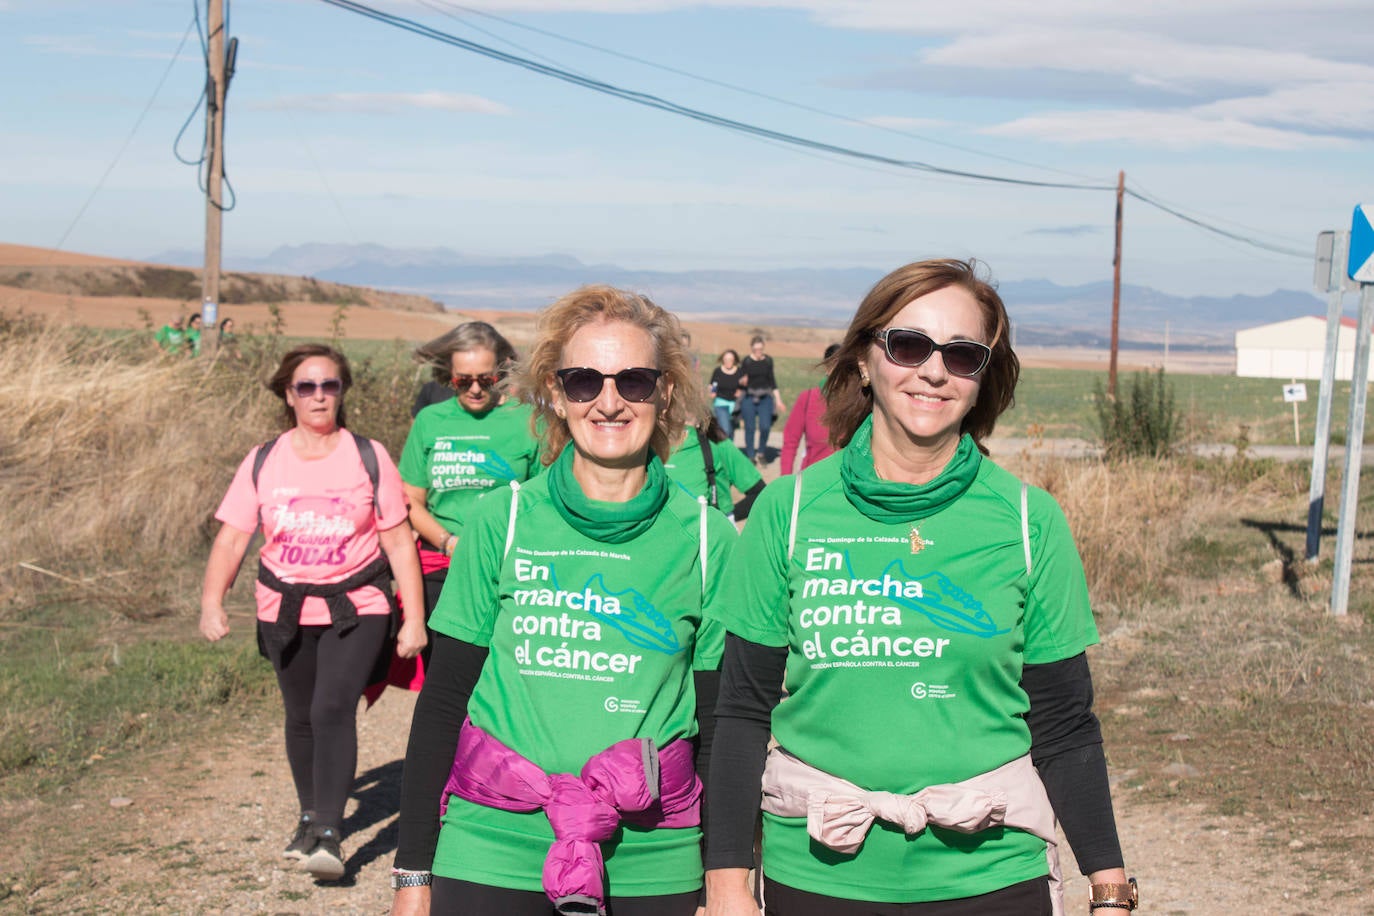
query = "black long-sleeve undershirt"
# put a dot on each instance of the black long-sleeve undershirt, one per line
(1066, 749)
(454, 668)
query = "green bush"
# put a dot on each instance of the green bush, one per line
(1145, 423)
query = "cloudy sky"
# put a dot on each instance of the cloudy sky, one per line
(1254, 116)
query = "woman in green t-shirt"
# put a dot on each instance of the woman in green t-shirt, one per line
(908, 621)
(463, 446)
(583, 630)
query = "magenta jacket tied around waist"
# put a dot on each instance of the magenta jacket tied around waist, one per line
(631, 780)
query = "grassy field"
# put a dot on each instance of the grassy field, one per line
(1222, 679)
(1058, 404)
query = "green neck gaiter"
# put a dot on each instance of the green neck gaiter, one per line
(614, 523)
(889, 501)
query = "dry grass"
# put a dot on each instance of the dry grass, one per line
(1222, 677)
(113, 463)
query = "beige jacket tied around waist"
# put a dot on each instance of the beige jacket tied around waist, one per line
(839, 814)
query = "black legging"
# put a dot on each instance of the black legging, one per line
(1028, 898)
(322, 676)
(450, 896)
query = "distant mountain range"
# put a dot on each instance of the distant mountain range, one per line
(1043, 312)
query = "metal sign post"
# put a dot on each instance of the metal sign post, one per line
(1295, 393)
(1361, 269)
(1332, 248)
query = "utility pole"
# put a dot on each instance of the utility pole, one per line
(215, 88)
(1116, 285)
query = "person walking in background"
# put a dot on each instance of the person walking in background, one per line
(805, 426)
(464, 446)
(331, 508)
(193, 329)
(172, 335)
(229, 341)
(761, 401)
(959, 680)
(706, 463)
(435, 355)
(555, 748)
(726, 391)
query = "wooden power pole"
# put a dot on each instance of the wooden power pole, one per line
(214, 172)
(1116, 286)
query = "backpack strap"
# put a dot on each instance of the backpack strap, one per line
(705, 442)
(792, 526)
(701, 501)
(261, 458)
(510, 525)
(366, 451)
(1025, 526)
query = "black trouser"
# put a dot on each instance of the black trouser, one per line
(434, 586)
(1028, 898)
(450, 896)
(322, 676)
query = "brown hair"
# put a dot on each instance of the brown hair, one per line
(470, 335)
(532, 379)
(281, 379)
(849, 402)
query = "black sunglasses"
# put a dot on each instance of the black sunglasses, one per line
(306, 388)
(485, 382)
(583, 384)
(909, 347)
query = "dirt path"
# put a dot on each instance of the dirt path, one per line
(199, 829)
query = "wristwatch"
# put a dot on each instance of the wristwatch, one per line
(1113, 896)
(400, 878)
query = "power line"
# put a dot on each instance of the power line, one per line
(1217, 230)
(767, 134)
(711, 81)
(652, 101)
(176, 55)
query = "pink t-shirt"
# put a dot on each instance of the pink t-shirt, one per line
(318, 521)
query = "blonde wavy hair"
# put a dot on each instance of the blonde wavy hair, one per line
(532, 379)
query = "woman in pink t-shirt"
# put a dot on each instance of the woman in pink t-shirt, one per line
(331, 508)
(806, 426)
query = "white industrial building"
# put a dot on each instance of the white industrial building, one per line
(1294, 349)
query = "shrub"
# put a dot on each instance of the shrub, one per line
(1146, 424)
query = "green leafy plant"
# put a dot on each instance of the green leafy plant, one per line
(1145, 423)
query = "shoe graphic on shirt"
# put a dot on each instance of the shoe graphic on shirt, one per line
(640, 622)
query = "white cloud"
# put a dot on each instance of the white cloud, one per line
(1155, 60)
(1167, 129)
(1347, 107)
(385, 102)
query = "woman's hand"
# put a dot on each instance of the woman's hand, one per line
(214, 623)
(411, 901)
(728, 894)
(411, 639)
(226, 553)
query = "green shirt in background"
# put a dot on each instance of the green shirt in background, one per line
(457, 455)
(906, 641)
(591, 642)
(687, 467)
(171, 339)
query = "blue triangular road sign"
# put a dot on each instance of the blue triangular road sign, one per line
(1361, 263)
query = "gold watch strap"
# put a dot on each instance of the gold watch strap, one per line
(1118, 895)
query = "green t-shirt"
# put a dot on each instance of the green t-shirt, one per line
(687, 467)
(457, 456)
(171, 339)
(905, 644)
(590, 643)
